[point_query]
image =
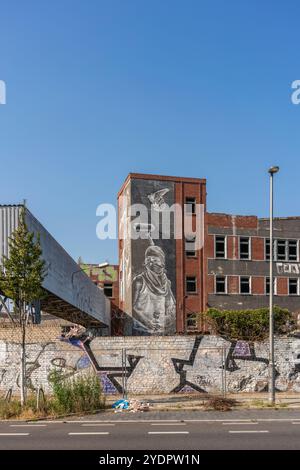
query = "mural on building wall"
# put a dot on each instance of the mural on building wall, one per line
(153, 263)
(154, 307)
(157, 199)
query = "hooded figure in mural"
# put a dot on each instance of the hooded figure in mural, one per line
(154, 307)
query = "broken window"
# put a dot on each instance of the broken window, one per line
(108, 289)
(245, 285)
(191, 284)
(190, 246)
(191, 321)
(267, 286)
(220, 285)
(293, 286)
(292, 250)
(244, 248)
(284, 250)
(190, 205)
(281, 250)
(220, 246)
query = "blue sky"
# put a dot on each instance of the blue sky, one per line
(97, 89)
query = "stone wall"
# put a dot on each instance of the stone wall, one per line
(152, 365)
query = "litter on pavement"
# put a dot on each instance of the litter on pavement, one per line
(130, 405)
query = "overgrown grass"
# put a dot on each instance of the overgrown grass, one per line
(266, 404)
(78, 395)
(10, 409)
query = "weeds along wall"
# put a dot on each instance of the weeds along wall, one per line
(149, 365)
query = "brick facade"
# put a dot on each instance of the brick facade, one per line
(256, 268)
(205, 266)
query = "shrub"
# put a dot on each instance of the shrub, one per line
(249, 325)
(77, 394)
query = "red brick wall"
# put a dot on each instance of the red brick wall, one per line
(209, 247)
(210, 284)
(282, 286)
(189, 266)
(228, 221)
(258, 285)
(258, 248)
(229, 247)
(233, 284)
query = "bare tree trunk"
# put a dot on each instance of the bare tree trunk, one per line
(23, 358)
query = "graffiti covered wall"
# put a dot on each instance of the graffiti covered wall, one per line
(149, 365)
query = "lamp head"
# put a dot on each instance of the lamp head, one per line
(103, 265)
(273, 170)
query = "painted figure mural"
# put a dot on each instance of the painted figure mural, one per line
(154, 307)
(157, 199)
(153, 262)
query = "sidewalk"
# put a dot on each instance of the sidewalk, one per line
(200, 401)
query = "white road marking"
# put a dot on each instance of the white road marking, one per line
(168, 432)
(296, 422)
(248, 432)
(99, 424)
(238, 424)
(87, 433)
(168, 424)
(14, 433)
(28, 425)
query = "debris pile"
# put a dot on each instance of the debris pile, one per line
(132, 405)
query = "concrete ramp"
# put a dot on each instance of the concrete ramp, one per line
(70, 292)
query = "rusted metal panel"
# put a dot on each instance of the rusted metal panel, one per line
(64, 278)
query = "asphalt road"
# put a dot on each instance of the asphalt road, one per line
(188, 431)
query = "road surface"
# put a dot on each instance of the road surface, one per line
(253, 429)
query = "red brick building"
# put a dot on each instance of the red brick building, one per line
(168, 312)
(238, 253)
(230, 270)
(106, 277)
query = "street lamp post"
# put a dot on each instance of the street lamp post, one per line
(272, 171)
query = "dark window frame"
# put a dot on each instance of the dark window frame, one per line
(108, 285)
(280, 250)
(190, 253)
(225, 246)
(190, 202)
(193, 319)
(288, 244)
(242, 242)
(191, 280)
(267, 285)
(218, 278)
(297, 286)
(243, 283)
(295, 244)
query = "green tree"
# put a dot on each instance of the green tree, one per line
(21, 276)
